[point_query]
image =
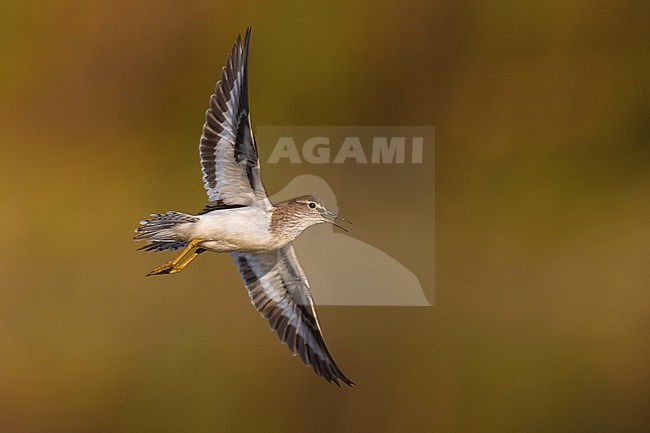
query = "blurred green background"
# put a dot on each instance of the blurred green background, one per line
(541, 318)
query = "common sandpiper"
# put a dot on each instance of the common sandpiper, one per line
(240, 219)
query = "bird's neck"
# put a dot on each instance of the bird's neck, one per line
(285, 224)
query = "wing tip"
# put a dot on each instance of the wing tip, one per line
(247, 37)
(338, 375)
(345, 380)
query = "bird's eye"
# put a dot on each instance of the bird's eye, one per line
(312, 205)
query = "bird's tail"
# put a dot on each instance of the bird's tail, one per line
(161, 230)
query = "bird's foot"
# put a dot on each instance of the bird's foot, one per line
(165, 268)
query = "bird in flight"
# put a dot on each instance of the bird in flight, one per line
(240, 219)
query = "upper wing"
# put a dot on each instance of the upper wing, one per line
(280, 291)
(231, 169)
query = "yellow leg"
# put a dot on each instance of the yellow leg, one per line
(180, 266)
(173, 266)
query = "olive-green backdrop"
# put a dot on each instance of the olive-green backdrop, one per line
(540, 321)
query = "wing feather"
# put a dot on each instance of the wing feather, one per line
(280, 291)
(229, 158)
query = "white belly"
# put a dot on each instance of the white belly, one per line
(241, 229)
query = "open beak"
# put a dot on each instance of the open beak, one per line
(335, 218)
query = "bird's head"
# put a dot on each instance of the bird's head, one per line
(313, 209)
(305, 211)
